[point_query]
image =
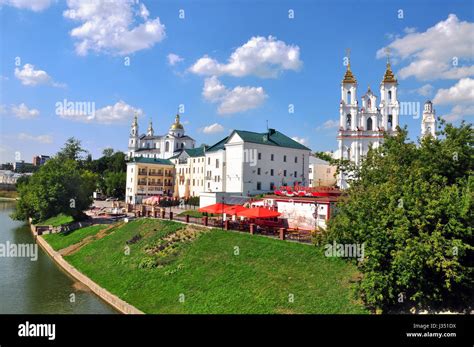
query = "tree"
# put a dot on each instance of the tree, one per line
(72, 150)
(324, 156)
(411, 206)
(107, 152)
(60, 186)
(115, 184)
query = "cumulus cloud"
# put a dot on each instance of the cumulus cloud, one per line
(461, 92)
(111, 26)
(329, 124)
(235, 100)
(33, 5)
(119, 113)
(174, 59)
(24, 112)
(260, 56)
(29, 76)
(425, 90)
(33, 138)
(303, 140)
(213, 129)
(443, 51)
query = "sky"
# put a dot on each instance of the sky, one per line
(84, 68)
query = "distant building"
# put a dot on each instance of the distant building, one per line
(148, 177)
(428, 123)
(165, 146)
(10, 177)
(40, 159)
(321, 173)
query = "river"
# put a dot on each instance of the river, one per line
(38, 286)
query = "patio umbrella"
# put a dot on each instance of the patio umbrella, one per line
(234, 209)
(216, 208)
(258, 212)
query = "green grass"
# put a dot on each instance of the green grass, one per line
(9, 194)
(62, 240)
(262, 278)
(194, 213)
(58, 220)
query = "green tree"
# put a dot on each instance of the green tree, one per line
(72, 150)
(115, 184)
(60, 186)
(411, 206)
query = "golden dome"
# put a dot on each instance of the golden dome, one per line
(176, 125)
(349, 77)
(389, 76)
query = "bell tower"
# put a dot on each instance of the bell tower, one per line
(133, 138)
(428, 123)
(389, 106)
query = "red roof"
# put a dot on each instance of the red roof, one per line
(216, 208)
(258, 212)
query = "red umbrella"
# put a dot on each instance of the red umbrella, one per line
(258, 212)
(216, 208)
(232, 210)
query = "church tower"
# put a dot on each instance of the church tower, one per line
(133, 138)
(428, 123)
(389, 107)
(150, 131)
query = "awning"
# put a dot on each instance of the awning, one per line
(216, 208)
(235, 209)
(258, 212)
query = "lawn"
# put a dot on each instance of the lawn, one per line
(215, 271)
(62, 240)
(58, 220)
(194, 213)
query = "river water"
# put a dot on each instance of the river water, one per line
(38, 286)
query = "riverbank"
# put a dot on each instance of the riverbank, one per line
(104, 294)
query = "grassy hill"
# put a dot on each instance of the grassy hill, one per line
(168, 267)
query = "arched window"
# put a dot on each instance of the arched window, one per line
(389, 95)
(167, 146)
(349, 97)
(369, 123)
(348, 121)
(182, 145)
(390, 121)
(369, 103)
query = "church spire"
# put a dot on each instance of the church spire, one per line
(348, 76)
(389, 76)
(150, 129)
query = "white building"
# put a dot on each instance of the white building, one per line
(321, 173)
(250, 163)
(428, 123)
(190, 167)
(163, 146)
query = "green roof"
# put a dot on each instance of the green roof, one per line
(195, 152)
(270, 138)
(150, 161)
(217, 146)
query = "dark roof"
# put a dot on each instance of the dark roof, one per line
(217, 146)
(271, 138)
(150, 161)
(195, 152)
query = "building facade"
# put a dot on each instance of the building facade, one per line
(149, 145)
(321, 173)
(190, 167)
(428, 123)
(148, 177)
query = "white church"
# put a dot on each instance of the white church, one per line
(361, 127)
(165, 146)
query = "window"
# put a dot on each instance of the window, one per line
(284, 173)
(390, 121)
(258, 171)
(182, 145)
(348, 97)
(369, 123)
(208, 161)
(259, 156)
(272, 186)
(259, 185)
(272, 156)
(167, 146)
(271, 172)
(284, 158)
(369, 103)
(296, 174)
(389, 95)
(217, 163)
(296, 159)
(328, 170)
(348, 121)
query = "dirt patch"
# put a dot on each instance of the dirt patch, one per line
(80, 287)
(77, 246)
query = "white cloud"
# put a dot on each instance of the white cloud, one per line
(34, 5)
(32, 138)
(107, 26)
(31, 77)
(461, 92)
(329, 124)
(119, 113)
(459, 112)
(409, 30)
(260, 56)
(173, 59)
(213, 129)
(235, 100)
(425, 90)
(24, 112)
(303, 140)
(432, 54)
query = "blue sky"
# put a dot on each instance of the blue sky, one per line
(71, 51)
